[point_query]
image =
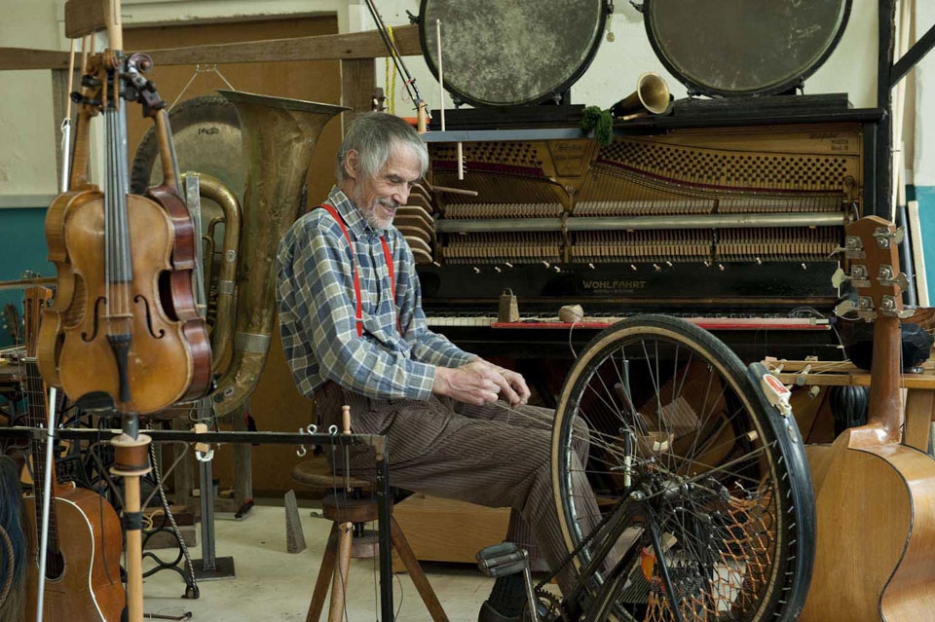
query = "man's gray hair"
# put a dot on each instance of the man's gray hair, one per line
(373, 136)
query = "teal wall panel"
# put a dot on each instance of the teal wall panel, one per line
(22, 248)
(925, 195)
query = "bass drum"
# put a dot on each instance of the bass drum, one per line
(743, 47)
(511, 52)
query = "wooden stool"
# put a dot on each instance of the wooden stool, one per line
(345, 511)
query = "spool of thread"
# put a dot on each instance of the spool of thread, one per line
(571, 314)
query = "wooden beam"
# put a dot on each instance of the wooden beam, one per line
(23, 58)
(85, 17)
(325, 47)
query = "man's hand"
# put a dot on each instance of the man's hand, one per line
(480, 382)
(517, 382)
(476, 383)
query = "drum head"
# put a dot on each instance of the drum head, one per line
(511, 52)
(744, 47)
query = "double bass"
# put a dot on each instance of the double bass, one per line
(875, 496)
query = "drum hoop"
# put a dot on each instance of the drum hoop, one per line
(574, 77)
(703, 89)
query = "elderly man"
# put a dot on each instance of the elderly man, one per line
(354, 333)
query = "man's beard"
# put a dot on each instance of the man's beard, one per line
(369, 213)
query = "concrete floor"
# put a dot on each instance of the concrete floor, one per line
(271, 584)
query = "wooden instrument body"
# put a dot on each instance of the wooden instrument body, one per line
(89, 588)
(54, 317)
(876, 513)
(875, 497)
(181, 290)
(158, 347)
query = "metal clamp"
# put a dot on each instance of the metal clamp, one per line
(309, 429)
(203, 451)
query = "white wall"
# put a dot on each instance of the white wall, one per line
(28, 132)
(924, 160)
(612, 76)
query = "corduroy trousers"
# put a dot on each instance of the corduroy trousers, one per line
(492, 455)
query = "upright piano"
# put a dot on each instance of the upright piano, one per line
(730, 216)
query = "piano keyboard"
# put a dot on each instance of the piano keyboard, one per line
(601, 322)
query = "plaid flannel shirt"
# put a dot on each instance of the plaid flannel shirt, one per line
(316, 299)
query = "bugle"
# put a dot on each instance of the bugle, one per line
(651, 96)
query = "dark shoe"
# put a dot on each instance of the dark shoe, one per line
(489, 614)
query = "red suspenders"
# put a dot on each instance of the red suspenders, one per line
(387, 255)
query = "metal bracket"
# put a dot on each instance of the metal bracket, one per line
(858, 276)
(853, 247)
(886, 277)
(884, 236)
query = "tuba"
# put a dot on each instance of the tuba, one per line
(651, 96)
(279, 137)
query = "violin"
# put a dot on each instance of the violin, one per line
(131, 338)
(56, 315)
(181, 281)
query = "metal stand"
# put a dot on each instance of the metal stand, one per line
(378, 443)
(209, 567)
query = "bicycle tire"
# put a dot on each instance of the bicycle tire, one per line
(788, 507)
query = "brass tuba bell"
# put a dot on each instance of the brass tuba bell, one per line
(651, 96)
(279, 137)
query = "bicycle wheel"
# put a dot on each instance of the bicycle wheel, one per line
(683, 446)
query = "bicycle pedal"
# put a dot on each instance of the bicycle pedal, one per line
(500, 560)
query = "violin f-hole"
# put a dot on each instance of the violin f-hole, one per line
(97, 315)
(149, 320)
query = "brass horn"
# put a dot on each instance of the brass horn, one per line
(651, 95)
(221, 313)
(279, 137)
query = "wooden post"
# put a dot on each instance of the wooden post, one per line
(358, 79)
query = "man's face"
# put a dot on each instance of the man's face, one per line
(378, 197)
